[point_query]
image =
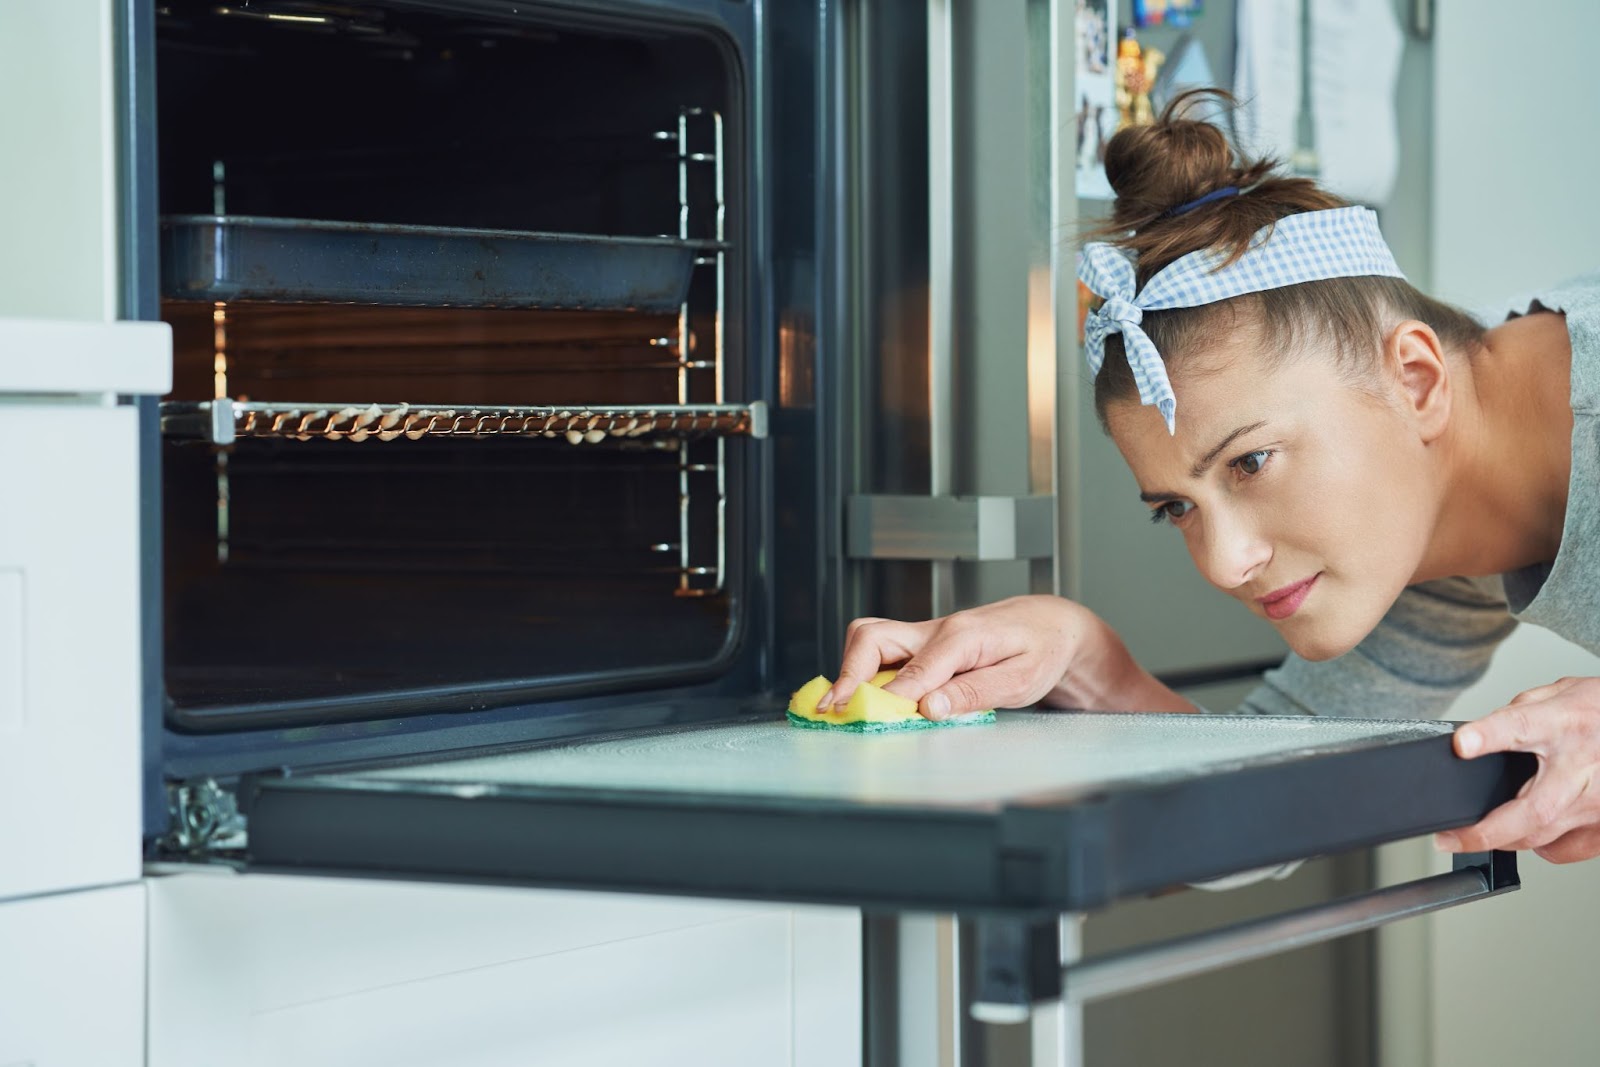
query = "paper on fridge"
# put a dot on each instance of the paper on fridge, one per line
(1268, 69)
(1095, 96)
(1355, 64)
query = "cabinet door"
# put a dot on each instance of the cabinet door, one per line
(69, 646)
(72, 979)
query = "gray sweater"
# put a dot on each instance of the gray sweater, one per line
(1439, 636)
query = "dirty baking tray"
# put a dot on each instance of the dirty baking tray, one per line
(239, 257)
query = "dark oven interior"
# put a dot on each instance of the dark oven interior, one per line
(456, 306)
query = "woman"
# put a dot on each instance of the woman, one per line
(1390, 483)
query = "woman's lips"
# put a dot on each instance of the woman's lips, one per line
(1286, 601)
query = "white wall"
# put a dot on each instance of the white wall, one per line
(1516, 147)
(57, 161)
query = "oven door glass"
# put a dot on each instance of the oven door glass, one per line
(1038, 812)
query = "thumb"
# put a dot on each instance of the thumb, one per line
(979, 690)
(1515, 727)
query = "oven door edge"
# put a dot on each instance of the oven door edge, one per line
(1066, 851)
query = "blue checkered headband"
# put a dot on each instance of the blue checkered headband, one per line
(1338, 243)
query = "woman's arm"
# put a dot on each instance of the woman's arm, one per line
(1013, 653)
(1104, 676)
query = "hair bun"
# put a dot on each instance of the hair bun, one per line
(1175, 161)
(1159, 167)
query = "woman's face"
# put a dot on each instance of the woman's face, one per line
(1307, 499)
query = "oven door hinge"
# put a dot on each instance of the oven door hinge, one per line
(205, 819)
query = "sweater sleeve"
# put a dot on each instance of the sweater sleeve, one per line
(1434, 642)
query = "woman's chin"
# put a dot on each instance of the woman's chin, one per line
(1318, 643)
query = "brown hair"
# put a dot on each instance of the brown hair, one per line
(1158, 168)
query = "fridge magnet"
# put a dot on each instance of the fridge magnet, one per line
(1165, 12)
(1137, 68)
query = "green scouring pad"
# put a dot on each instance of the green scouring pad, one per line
(863, 727)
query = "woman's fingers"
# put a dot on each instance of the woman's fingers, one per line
(1529, 723)
(1543, 692)
(1002, 685)
(1526, 727)
(1557, 812)
(1572, 846)
(955, 648)
(1516, 824)
(926, 672)
(1035, 631)
(869, 644)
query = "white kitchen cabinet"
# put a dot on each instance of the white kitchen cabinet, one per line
(69, 600)
(326, 971)
(72, 979)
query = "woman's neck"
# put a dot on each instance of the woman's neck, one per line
(1505, 498)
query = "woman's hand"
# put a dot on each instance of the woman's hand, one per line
(1557, 811)
(1009, 654)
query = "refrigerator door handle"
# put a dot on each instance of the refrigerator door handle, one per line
(1010, 950)
(881, 526)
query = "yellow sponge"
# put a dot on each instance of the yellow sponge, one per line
(870, 709)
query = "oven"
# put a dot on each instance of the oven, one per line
(480, 313)
(549, 383)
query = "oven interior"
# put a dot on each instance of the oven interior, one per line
(461, 406)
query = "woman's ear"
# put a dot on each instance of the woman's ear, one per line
(1416, 359)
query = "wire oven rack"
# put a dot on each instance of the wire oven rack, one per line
(220, 258)
(222, 422)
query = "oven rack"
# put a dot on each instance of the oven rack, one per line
(223, 258)
(222, 422)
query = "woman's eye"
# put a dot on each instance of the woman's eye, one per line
(1252, 462)
(1171, 511)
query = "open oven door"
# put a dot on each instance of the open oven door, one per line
(1037, 814)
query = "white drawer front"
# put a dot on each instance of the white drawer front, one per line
(72, 980)
(333, 972)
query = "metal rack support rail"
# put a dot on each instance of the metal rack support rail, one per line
(689, 569)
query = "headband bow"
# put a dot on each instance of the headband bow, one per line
(1311, 246)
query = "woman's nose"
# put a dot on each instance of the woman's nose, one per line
(1232, 553)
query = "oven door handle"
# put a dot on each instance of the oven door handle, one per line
(1012, 950)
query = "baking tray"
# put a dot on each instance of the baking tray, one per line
(241, 257)
(1042, 812)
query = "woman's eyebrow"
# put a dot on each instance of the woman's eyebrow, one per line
(1204, 463)
(1211, 457)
